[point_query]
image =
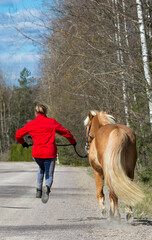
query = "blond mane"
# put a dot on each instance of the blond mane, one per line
(103, 118)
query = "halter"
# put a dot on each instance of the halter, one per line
(89, 131)
(88, 142)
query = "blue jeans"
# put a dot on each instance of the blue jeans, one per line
(46, 167)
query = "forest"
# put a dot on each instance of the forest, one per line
(97, 55)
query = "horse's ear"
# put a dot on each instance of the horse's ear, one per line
(90, 115)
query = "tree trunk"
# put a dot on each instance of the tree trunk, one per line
(144, 55)
(120, 58)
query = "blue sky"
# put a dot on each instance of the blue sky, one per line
(16, 52)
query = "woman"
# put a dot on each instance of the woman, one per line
(42, 130)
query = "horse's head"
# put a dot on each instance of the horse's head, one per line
(93, 122)
(89, 133)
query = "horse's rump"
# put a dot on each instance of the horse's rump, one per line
(115, 162)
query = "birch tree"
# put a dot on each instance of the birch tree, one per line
(144, 55)
(120, 54)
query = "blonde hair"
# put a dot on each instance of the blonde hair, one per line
(41, 109)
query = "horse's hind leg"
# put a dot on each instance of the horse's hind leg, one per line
(114, 211)
(99, 179)
(130, 166)
(129, 214)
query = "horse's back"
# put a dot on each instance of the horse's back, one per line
(104, 132)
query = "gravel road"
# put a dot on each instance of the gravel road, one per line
(72, 212)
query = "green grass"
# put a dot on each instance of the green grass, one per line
(144, 209)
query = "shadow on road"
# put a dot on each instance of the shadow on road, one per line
(142, 222)
(14, 191)
(15, 171)
(111, 222)
(15, 207)
(38, 228)
(81, 219)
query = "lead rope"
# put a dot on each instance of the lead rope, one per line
(85, 156)
(65, 145)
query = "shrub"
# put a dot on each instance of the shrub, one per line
(18, 153)
(145, 175)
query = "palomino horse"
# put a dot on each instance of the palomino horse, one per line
(113, 156)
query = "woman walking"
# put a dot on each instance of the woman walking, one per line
(42, 130)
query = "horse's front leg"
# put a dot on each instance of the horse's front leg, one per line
(129, 215)
(99, 179)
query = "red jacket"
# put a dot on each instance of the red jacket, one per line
(42, 130)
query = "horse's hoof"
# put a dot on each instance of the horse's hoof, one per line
(129, 218)
(104, 213)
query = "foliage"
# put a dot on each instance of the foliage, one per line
(144, 146)
(5, 156)
(145, 175)
(16, 107)
(23, 104)
(144, 209)
(18, 153)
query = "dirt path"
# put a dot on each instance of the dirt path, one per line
(72, 212)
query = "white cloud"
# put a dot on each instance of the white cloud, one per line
(25, 57)
(30, 26)
(7, 2)
(12, 65)
(30, 14)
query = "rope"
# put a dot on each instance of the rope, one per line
(65, 145)
(85, 156)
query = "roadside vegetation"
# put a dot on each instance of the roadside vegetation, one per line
(144, 210)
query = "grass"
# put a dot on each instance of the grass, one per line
(144, 209)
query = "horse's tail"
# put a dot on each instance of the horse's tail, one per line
(114, 165)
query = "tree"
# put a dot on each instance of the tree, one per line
(145, 56)
(23, 101)
(5, 118)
